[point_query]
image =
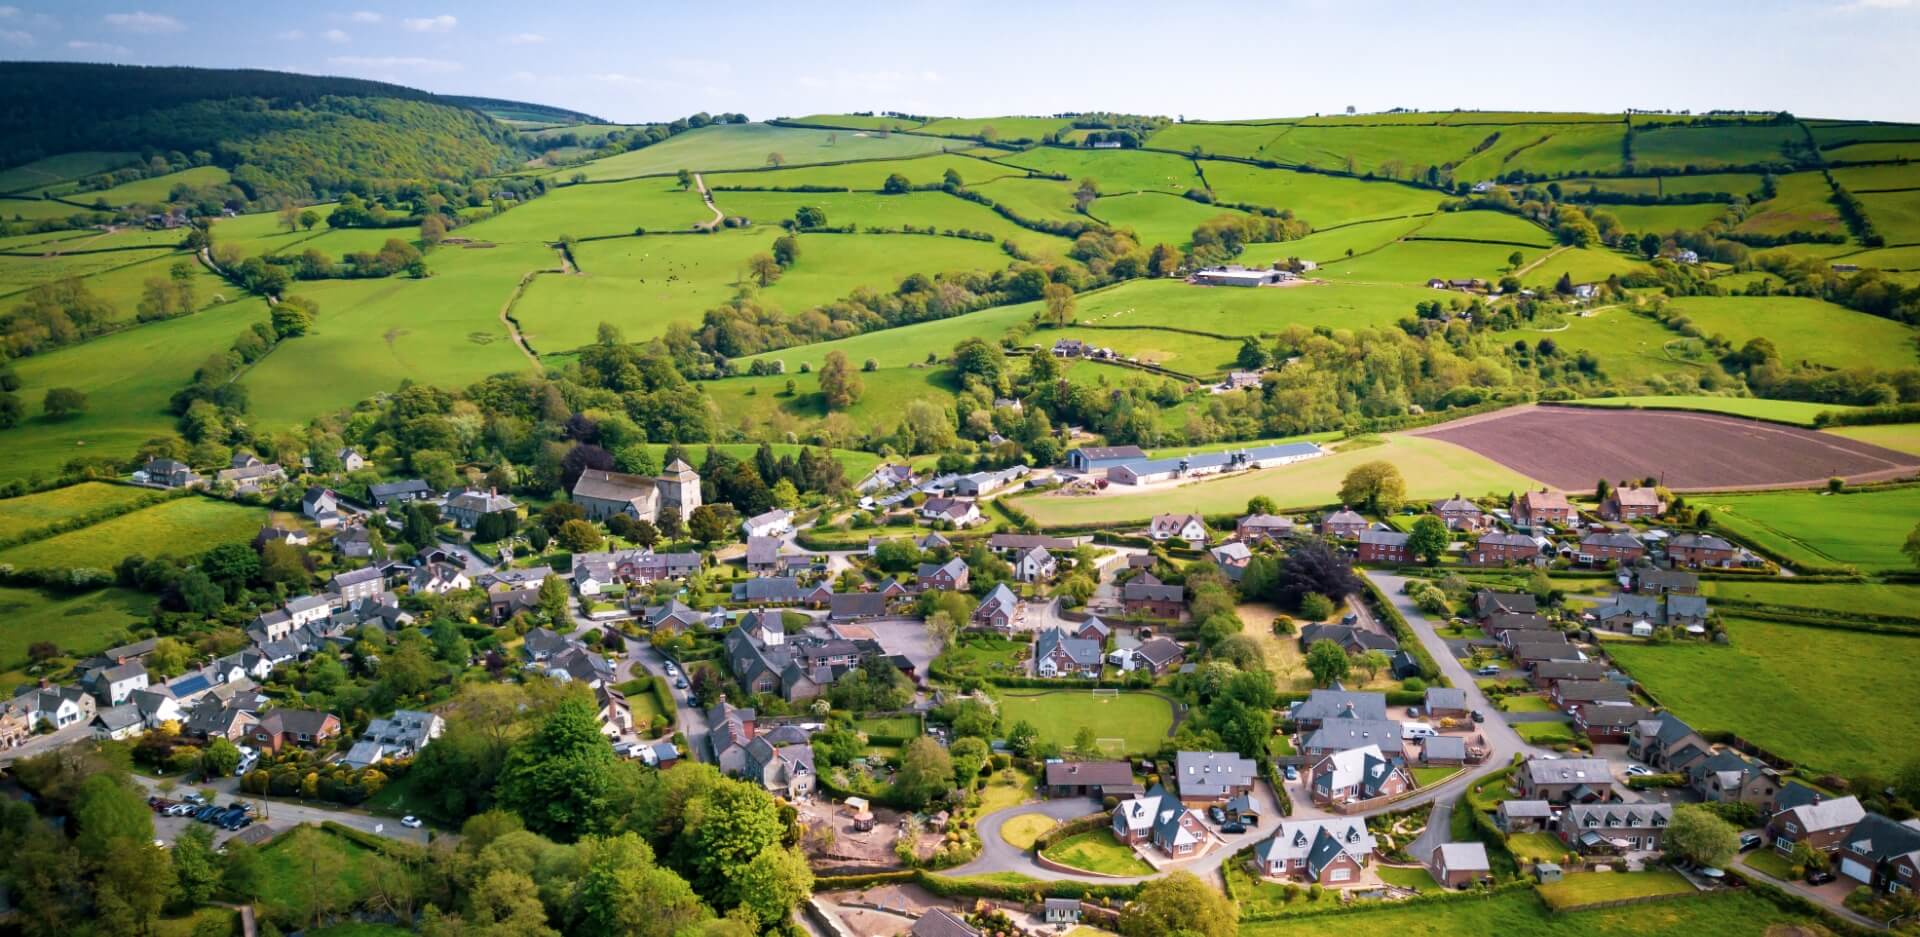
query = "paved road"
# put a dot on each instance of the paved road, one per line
(42, 744)
(280, 814)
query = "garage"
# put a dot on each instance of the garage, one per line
(1856, 870)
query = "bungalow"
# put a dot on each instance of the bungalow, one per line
(1096, 460)
(1446, 701)
(1822, 825)
(1212, 777)
(774, 523)
(1057, 655)
(1882, 853)
(1696, 550)
(856, 606)
(1535, 508)
(1350, 638)
(1487, 603)
(1501, 549)
(1460, 514)
(117, 723)
(1013, 545)
(932, 541)
(1523, 816)
(1344, 523)
(1600, 547)
(1443, 751)
(1156, 656)
(951, 575)
(1331, 852)
(1159, 818)
(1383, 546)
(1569, 693)
(1340, 735)
(1457, 865)
(886, 477)
(1529, 653)
(1255, 527)
(1632, 504)
(1035, 565)
(1358, 774)
(1547, 673)
(400, 492)
(1323, 705)
(939, 922)
(1607, 723)
(1146, 595)
(1614, 828)
(1089, 779)
(960, 512)
(1064, 912)
(1509, 628)
(1566, 780)
(1658, 580)
(998, 610)
(1187, 527)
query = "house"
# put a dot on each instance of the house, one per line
(1600, 547)
(1061, 911)
(356, 584)
(399, 736)
(1186, 527)
(1161, 819)
(1151, 471)
(1383, 546)
(1461, 514)
(1822, 825)
(1096, 460)
(1523, 816)
(763, 555)
(1013, 545)
(115, 684)
(1344, 523)
(729, 730)
(506, 603)
(1487, 603)
(1146, 595)
(1693, 551)
(1093, 629)
(1658, 580)
(1070, 348)
(284, 727)
(1546, 673)
(960, 512)
(1543, 507)
(321, 506)
(1350, 638)
(1343, 734)
(249, 479)
(354, 543)
(1502, 549)
(939, 922)
(1512, 628)
(1443, 701)
(467, 507)
(167, 473)
(117, 723)
(1665, 743)
(886, 477)
(400, 492)
(1212, 777)
(1529, 653)
(1089, 779)
(1607, 723)
(1055, 654)
(774, 523)
(676, 616)
(1320, 706)
(593, 572)
(1457, 865)
(1566, 780)
(350, 459)
(1232, 557)
(291, 536)
(784, 770)
(856, 606)
(1443, 750)
(998, 610)
(1357, 774)
(1256, 527)
(1632, 504)
(1156, 656)
(951, 575)
(437, 579)
(1567, 694)
(1640, 614)
(1726, 776)
(1614, 828)
(1331, 852)
(1882, 853)
(1035, 565)
(602, 493)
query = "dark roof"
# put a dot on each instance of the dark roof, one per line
(1081, 773)
(939, 922)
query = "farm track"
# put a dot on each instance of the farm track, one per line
(506, 315)
(707, 197)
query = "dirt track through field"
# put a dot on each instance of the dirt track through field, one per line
(1573, 448)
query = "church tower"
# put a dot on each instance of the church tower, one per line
(679, 489)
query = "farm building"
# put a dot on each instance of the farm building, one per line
(1149, 471)
(1239, 276)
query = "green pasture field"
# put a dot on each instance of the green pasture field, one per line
(1864, 179)
(1875, 152)
(125, 405)
(586, 133)
(19, 274)
(1837, 131)
(1625, 185)
(1780, 411)
(1189, 354)
(1896, 215)
(1337, 243)
(831, 266)
(1588, 148)
(372, 334)
(1802, 202)
(911, 344)
(1886, 258)
(869, 209)
(1862, 528)
(1842, 597)
(1664, 219)
(1237, 311)
(337, 243)
(746, 146)
(1632, 349)
(1522, 912)
(1804, 329)
(753, 403)
(183, 527)
(643, 285)
(32, 512)
(1374, 149)
(1432, 469)
(1034, 199)
(1731, 183)
(855, 120)
(82, 624)
(43, 174)
(1117, 171)
(18, 209)
(262, 233)
(1223, 139)
(1322, 200)
(869, 175)
(1583, 264)
(46, 241)
(154, 190)
(1142, 719)
(1485, 226)
(594, 211)
(1900, 437)
(1527, 117)
(1413, 261)
(1678, 147)
(1006, 129)
(1834, 700)
(1156, 217)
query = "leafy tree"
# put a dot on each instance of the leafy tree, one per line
(1179, 904)
(107, 808)
(1327, 662)
(1912, 547)
(810, 216)
(1699, 835)
(764, 269)
(896, 184)
(1022, 737)
(1316, 607)
(926, 771)
(1059, 300)
(560, 778)
(169, 657)
(196, 868)
(1372, 662)
(579, 536)
(786, 250)
(1376, 484)
(1085, 742)
(309, 218)
(685, 179)
(771, 884)
(292, 317)
(1428, 540)
(134, 881)
(726, 825)
(1313, 565)
(220, 758)
(776, 160)
(12, 411)
(63, 402)
(838, 383)
(712, 523)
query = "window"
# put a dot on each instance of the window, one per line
(1341, 875)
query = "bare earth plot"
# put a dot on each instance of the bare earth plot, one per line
(1572, 449)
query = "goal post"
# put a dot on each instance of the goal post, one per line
(1103, 692)
(1115, 747)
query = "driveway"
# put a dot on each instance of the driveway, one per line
(691, 720)
(905, 636)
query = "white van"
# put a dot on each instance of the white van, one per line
(1416, 730)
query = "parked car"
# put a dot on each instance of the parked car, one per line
(1639, 771)
(680, 684)
(193, 798)
(1232, 827)
(411, 822)
(1479, 716)
(1819, 877)
(1218, 815)
(1350, 619)
(1749, 842)
(1293, 773)
(1487, 670)
(206, 814)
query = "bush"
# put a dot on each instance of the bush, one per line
(1316, 607)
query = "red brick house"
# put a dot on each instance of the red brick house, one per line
(1533, 508)
(1383, 546)
(1146, 595)
(1331, 852)
(1882, 853)
(1697, 550)
(1822, 825)
(1600, 547)
(1502, 549)
(283, 727)
(1343, 523)
(1460, 514)
(950, 576)
(1630, 504)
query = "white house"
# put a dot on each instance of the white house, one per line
(1035, 565)
(1187, 527)
(774, 523)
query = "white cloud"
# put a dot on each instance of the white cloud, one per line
(335, 35)
(365, 16)
(1858, 5)
(16, 37)
(526, 39)
(430, 24)
(290, 35)
(97, 48)
(410, 62)
(141, 21)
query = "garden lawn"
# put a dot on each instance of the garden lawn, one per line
(1021, 831)
(982, 656)
(1833, 700)
(1779, 411)
(1768, 862)
(1862, 528)
(183, 527)
(1900, 437)
(1538, 847)
(1528, 703)
(1415, 877)
(900, 727)
(1141, 720)
(1585, 888)
(1544, 733)
(1522, 912)
(1804, 329)
(80, 625)
(1098, 851)
(1433, 775)
(747, 146)
(283, 878)
(1006, 788)
(31, 512)
(1433, 469)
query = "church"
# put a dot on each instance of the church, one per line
(603, 494)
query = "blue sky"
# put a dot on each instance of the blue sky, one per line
(644, 60)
